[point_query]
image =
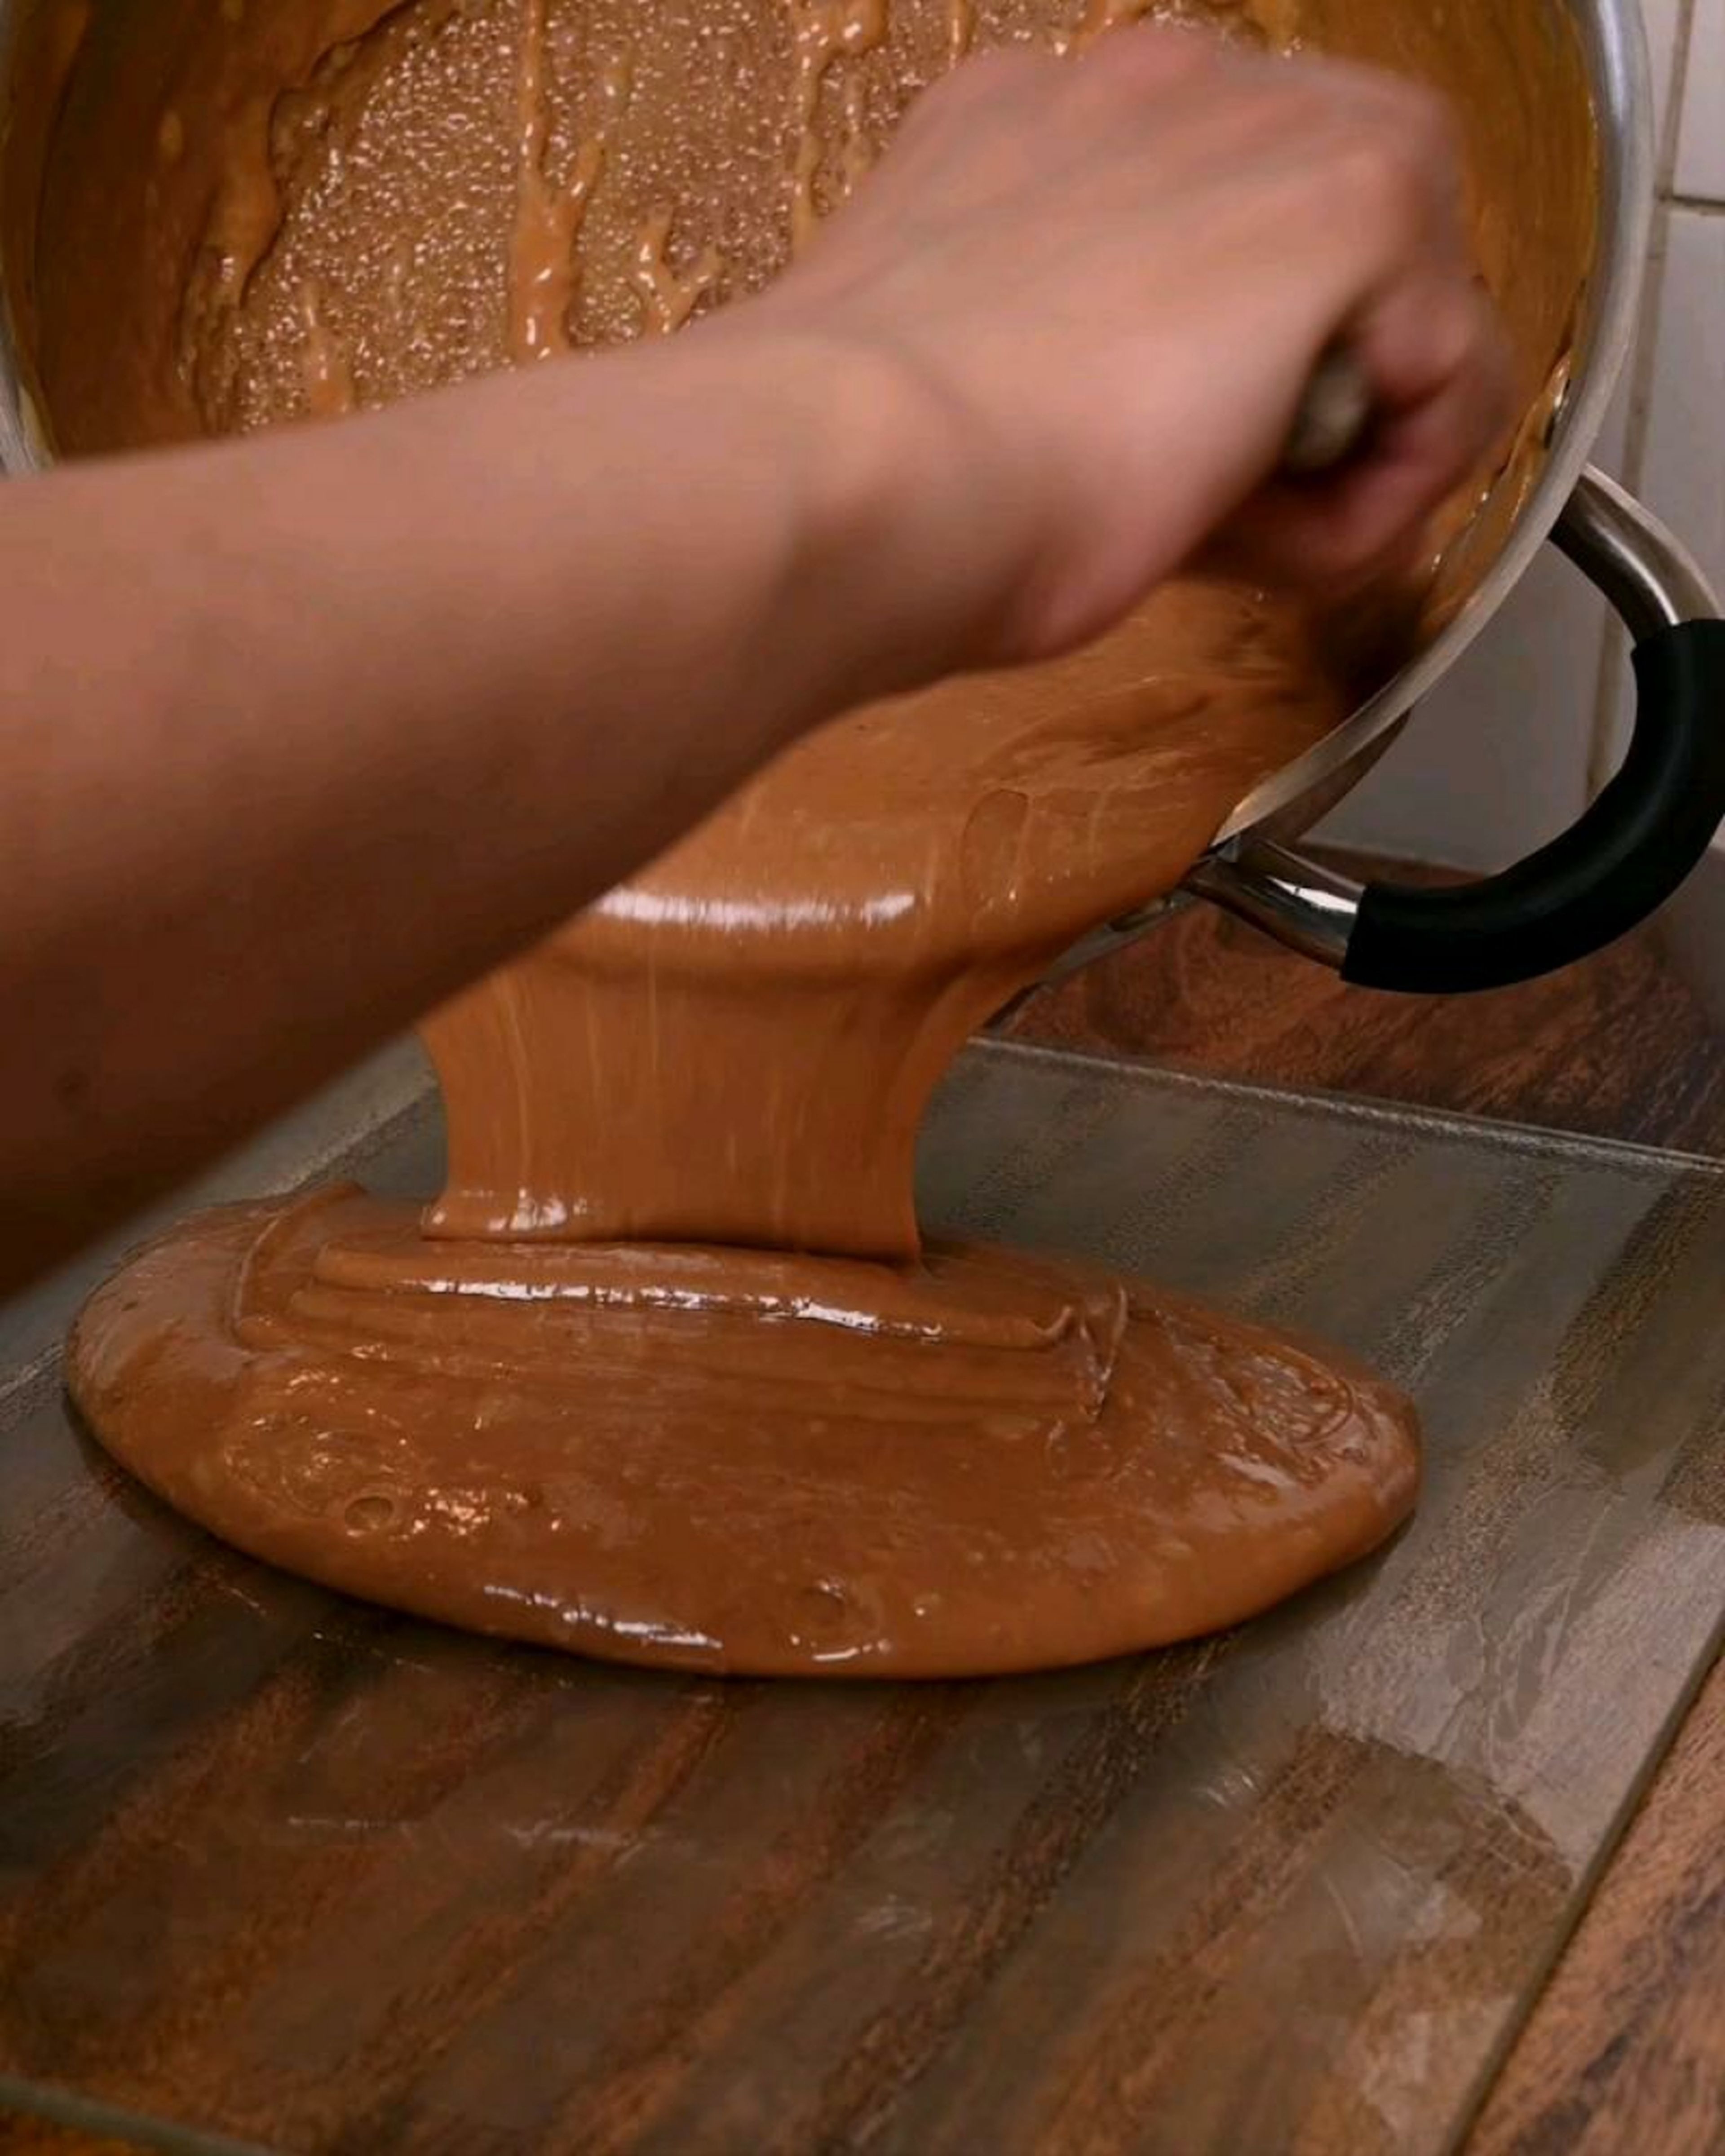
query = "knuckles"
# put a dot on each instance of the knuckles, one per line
(1382, 180)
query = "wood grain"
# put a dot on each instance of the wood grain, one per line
(1626, 2047)
(313, 1876)
(1617, 1047)
(1626, 2050)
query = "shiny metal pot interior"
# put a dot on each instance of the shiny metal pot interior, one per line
(1640, 567)
(1615, 51)
(1649, 829)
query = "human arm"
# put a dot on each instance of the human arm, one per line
(301, 735)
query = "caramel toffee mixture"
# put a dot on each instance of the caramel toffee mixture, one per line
(666, 1372)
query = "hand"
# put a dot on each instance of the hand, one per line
(1100, 285)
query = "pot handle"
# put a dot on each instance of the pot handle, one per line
(1626, 854)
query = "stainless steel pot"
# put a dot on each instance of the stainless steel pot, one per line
(1639, 841)
(1650, 826)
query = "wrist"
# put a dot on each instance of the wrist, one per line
(895, 564)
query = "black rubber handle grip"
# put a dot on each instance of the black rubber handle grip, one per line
(1626, 855)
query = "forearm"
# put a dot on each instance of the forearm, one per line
(302, 736)
(299, 738)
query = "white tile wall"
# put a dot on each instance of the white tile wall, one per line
(1701, 144)
(1496, 761)
(1682, 475)
(1505, 751)
(1665, 26)
(1682, 466)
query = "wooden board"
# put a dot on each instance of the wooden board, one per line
(1626, 2047)
(1616, 1046)
(286, 1869)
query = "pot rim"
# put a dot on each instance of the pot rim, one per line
(1614, 45)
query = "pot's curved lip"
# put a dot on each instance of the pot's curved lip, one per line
(1617, 62)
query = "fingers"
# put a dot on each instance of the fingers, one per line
(1444, 372)
(1424, 333)
(1110, 276)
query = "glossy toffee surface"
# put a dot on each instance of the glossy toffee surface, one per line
(666, 1373)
